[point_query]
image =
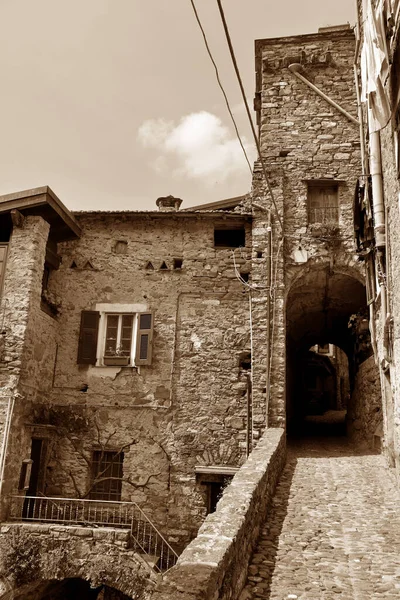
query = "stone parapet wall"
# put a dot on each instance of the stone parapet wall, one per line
(214, 565)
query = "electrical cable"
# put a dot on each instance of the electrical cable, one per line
(240, 278)
(220, 84)
(232, 53)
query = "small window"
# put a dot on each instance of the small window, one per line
(215, 489)
(229, 238)
(245, 361)
(323, 348)
(107, 472)
(178, 263)
(118, 339)
(121, 247)
(323, 204)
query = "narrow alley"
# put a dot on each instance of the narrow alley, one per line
(333, 530)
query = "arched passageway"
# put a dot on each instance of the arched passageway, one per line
(323, 350)
(65, 589)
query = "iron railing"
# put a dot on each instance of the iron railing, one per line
(326, 215)
(145, 537)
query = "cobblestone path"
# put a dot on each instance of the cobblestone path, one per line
(333, 530)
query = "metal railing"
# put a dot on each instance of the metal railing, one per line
(326, 215)
(145, 537)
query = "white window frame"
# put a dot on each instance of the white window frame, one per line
(106, 309)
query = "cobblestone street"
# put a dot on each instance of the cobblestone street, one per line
(333, 530)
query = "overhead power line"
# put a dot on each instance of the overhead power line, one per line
(220, 84)
(232, 53)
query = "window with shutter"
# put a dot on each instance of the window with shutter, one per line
(144, 339)
(87, 348)
(109, 338)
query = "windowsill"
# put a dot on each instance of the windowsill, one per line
(116, 361)
(111, 370)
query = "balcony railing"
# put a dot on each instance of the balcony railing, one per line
(145, 537)
(326, 215)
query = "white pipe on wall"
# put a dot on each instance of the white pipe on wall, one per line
(375, 167)
(295, 68)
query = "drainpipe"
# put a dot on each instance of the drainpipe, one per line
(295, 68)
(269, 341)
(375, 166)
(249, 417)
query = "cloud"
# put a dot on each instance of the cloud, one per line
(199, 146)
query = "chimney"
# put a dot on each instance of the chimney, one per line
(168, 203)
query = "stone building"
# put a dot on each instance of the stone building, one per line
(145, 355)
(378, 195)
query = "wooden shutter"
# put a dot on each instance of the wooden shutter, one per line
(144, 339)
(3, 256)
(88, 337)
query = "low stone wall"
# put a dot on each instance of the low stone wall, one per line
(34, 552)
(214, 565)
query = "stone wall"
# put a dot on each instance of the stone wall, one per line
(32, 553)
(391, 379)
(28, 340)
(364, 417)
(188, 407)
(215, 562)
(387, 326)
(303, 138)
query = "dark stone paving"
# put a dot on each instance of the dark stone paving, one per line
(333, 530)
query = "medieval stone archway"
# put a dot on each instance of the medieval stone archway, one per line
(319, 306)
(64, 589)
(35, 556)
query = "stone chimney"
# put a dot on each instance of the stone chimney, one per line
(168, 203)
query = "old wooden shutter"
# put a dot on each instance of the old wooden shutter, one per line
(88, 337)
(3, 256)
(144, 339)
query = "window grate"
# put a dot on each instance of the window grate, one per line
(107, 470)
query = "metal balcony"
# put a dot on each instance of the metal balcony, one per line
(145, 537)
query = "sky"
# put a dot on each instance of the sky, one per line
(113, 103)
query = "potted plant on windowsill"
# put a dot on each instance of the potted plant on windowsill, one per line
(116, 357)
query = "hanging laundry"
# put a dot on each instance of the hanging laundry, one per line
(375, 66)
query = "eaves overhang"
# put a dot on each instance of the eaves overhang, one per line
(43, 202)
